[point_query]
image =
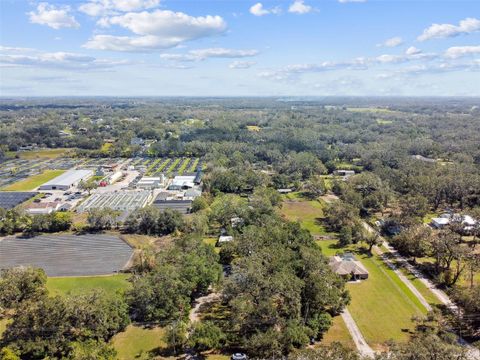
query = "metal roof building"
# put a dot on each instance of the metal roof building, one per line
(67, 180)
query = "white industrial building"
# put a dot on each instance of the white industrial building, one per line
(182, 182)
(151, 182)
(67, 180)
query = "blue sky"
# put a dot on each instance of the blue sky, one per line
(229, 48)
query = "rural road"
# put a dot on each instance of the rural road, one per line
(362, 346)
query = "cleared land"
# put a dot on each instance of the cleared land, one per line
(34, 181)
(338, 332)
(137, 340)
(78, 285)
(308, 213)
(42, 154)
(67, 255)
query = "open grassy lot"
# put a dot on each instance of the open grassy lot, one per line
(3, 326)
(382, 305)
(308, 213)
(77, 285)
(338, 332)
(138, 340)
(253, 128)
(42, 154)
(34, 181)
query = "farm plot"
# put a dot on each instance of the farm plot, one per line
(34, 181)
(67, 255)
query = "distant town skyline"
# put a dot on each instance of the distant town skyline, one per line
(239, 48)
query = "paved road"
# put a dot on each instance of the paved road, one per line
(362, 346)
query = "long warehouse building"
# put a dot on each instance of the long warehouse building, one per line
(67, 180)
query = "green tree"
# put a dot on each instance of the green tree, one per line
(205, 335)
(21, 284)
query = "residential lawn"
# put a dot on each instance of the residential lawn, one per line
(34, 181)
(428, 218)
(137, 340)
(77, 285)
(422, 288)
(382, 305)
(338, 332)
(42, 154)
(308, 213)
(212, 242)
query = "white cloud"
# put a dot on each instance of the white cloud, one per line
(54, 17)
(299, 7)
(159, 29)
(203, 54)
(392, 42)
(259, 10)
(412, 50)
(460, 51)
(14, 57)
(105, 7)
(466, 26)
(241, 64)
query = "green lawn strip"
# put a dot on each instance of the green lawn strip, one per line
(164, 164)
(34, 181)
(42, 153)
(152, 166)
(338, 332)
(184, 165)
(382, 305)
(173, 165)
(146, 162)
(421, 287)
(77, 285)
(194, 164)
(138, 340)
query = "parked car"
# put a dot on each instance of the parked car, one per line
(239, 356)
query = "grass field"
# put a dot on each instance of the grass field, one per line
(77, 285)
(382, 305)
(137, 340)
(253, 128)
(34, 181)
(42, 154)
(308, 213)
(3, 326)
(384, 122)
(338, 332)
(106, 147)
